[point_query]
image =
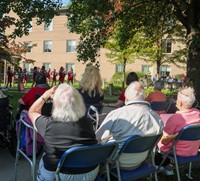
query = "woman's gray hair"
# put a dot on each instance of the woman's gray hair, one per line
(68, 105)
(186, 96)
(159, 85)
(135, 91)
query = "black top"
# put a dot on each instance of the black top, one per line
(60, 136)
(97, 99)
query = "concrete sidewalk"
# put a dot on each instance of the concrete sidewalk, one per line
(7, 163)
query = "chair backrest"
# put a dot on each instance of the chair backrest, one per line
(160, 106)
(189, 133)
(138, 144)
(87, 156)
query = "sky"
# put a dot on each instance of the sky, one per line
(65, 1)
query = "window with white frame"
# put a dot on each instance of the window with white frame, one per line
(47, 46)
(71, 46)
(118, 68)
(47, 65)
(27, 66)
(146, 69)
(165, 70)
(167, 46)
(30, 29)
(48, 26)
(28, 45)
(70, 65)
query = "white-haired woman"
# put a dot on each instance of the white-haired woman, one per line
(66, 128)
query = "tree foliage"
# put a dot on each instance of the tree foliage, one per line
(25, 10)
(95, 20)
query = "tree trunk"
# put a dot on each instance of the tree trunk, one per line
(124, 73)
(193, 63)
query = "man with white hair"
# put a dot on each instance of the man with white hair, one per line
(66, 128)
(135, 118)
(185, 116)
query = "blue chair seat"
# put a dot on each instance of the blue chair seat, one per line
(144, 170)
(184, 160)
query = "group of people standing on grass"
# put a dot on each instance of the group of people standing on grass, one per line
(69, 126)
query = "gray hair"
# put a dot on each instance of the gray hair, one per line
(159, 85)
(135, 91)
(68, 105)
(186, 96)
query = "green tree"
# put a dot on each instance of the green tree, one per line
(93, 20)
(25, 11)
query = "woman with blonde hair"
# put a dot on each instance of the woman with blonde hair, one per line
(91, 87)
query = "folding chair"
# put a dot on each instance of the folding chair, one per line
(188, 133)
(137, 144)
(93, 114)
(160, 106)
(87, 156)
(19, 151)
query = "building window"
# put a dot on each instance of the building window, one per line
(48, 26)
(118, 68)
(70, 65)
(165, 70)
(27, 66)
(47, 66)
(28, 45)
(146, 69)
(167, 46)
(47, 46)
(30, 29)
(71, 46)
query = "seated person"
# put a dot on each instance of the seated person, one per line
(132, 76)
(135, 118)
(91, 87)
(66, 128)
(24, 104)
(185, 116)
(29, 98)
(157, 95)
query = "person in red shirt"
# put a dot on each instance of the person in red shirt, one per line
(54, 74)
(48, 75)
(35, 72)
(9, 77)
(157, 95)
(25, 76)
(132, 76)
(29, 98)
(62, 74)
(70, 77)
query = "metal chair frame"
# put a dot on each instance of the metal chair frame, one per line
(20, 151)
(137, 144)
(187, 133)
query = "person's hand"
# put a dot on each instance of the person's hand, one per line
(49, 93)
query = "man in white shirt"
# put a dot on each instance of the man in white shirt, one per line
(135, 118)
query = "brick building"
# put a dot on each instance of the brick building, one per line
(56, 48)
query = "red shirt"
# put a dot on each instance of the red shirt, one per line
(122, 96)
(30, 97)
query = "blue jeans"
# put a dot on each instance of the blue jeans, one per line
(45, 175)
